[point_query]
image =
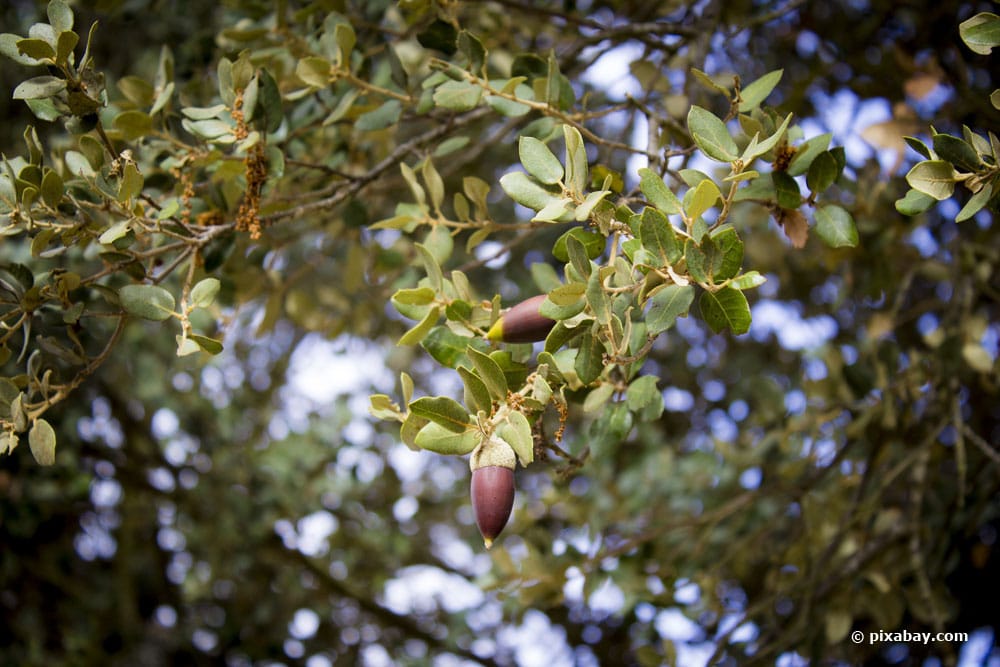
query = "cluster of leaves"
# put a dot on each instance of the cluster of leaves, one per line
(970, 160)
(626, 275)
(873, 448)
(90, 212)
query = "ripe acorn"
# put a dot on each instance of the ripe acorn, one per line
(522, 323)
(492, 487)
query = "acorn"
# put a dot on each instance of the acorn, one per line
(522, 323)
(492, 487)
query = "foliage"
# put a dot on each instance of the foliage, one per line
(400, 174)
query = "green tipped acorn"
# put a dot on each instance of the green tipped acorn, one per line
(522, 323)
(492, 487)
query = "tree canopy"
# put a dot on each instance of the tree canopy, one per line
(266, 285)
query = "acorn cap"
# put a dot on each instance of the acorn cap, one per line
(492, 452)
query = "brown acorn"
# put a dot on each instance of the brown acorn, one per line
(522, 323)
(492, 487)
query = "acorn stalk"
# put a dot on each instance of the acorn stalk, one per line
(492, 489)
(522, 323)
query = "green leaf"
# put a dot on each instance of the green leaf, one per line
(417, 333)
(823, 171)
(767, 144)
(134, 124)
(206, 344)
(435, 188)
(919, 146)
(589, 363)
(597, 298)
(382, 407)
(516, 432)
(554, 210)
(477, 396)
(578, 256)
(431, 266)
(981, 32)
(559, 336)
(440, 35)
(52, 189)
(754, 93)
(702, 259)
(435, 438)
(269, 110)
(64, 46)
(836, 227)
(666, 305)
(39, 49)
(473, 49)
(564, 302)
(711, 136)
(204, 113)
(442, 410)
(529, 65)
(914, 202)
(590, 202)
(526, 191)
(203, 293)
(458, 95)
(643, 396)
(544, 276)
(150, 302)
(38, 87)
(446, 346)
(837, 624)
(410, 428)
(958, 152)
(131, 183)
(973, 206)
(509, 108)
(186, 346)
(658, 237)
(933, 177)
(384, 116)
(657, 192)
(725, 309)
(413, 302)
(42, 440)
(539, 160)
(703, 198)
(593, 243)
(748, 280)
(210, 129)
(313, 71)
(598, 398)
(730, 249)
(786, 190)
(343, 35)
(115, 232)
(451, 145)
(411, 180)
(707, 81)
(60, 16)
(137, 90)
(806, 152)
(8, 48)
(576, 160)
(490, 373)
(439, 241)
